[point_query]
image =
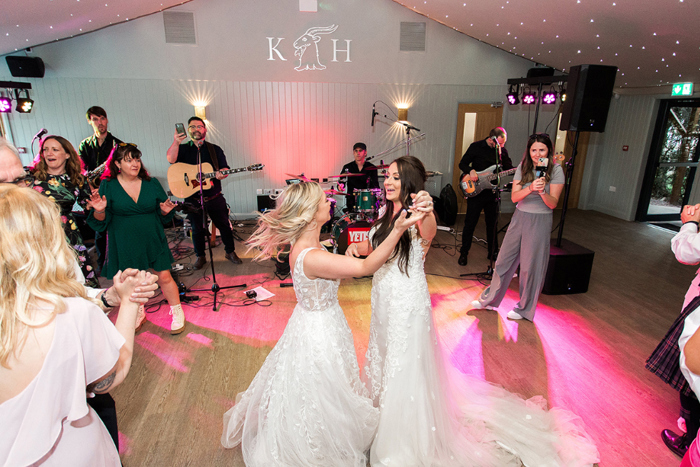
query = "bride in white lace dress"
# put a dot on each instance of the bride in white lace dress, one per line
(307, 405)
(431, 415)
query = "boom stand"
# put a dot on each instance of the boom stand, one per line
(488, 274)
(215, 288)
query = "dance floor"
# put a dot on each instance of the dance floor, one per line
(584, 352)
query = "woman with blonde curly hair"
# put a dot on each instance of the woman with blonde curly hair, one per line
(58, 175)
(54, 342)
(307, 405)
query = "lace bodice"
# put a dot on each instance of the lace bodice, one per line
(313, 295)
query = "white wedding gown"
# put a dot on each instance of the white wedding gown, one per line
(307, 405)
(431, 415)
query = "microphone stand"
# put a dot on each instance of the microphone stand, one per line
(488, 274)
(215, 288)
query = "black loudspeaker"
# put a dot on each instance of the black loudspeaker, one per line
(265, 203)
(588, 93)
(569, 269)
(25, 67)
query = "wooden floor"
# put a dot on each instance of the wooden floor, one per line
(584, 352)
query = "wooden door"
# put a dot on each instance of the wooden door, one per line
(487, 118)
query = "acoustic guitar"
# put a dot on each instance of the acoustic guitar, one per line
(183, 179)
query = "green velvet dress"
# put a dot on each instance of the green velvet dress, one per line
(136, 238)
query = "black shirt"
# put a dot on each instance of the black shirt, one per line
(187, 153)
(480, 156)
(93, 154)
(360, 183)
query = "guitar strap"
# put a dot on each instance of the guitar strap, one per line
(212, 155)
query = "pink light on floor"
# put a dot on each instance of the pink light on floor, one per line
(125, 444)
(164, 350)
(200, 339)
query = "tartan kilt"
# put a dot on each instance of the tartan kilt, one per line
(664, 361)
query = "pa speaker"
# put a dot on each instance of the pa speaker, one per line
(569, 269)
(588, 93)
(25, 67)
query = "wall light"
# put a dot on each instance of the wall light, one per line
(403, 112)
(200, 110)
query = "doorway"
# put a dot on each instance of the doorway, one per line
(672, 163)
(474, 122)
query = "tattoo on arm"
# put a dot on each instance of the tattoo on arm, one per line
(102, 385)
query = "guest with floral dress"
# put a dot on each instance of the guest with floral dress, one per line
(58, 175)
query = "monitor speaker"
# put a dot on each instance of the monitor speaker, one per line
(588, 93)
(569, 269)
(25, 67)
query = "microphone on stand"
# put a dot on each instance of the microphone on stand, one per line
(495, 140)
(541, 168)
(373, 112)
(41, 133)
(412, 128)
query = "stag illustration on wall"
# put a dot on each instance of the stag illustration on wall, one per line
(307, 59)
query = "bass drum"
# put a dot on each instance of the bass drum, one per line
(351, 228)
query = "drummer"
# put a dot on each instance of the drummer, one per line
(359, 166)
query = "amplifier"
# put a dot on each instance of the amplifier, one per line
(569, 269)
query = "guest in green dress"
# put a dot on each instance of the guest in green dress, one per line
(133, 207)
(58, 175)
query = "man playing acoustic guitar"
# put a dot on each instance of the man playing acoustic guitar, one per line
(480, 156)
(214, 200)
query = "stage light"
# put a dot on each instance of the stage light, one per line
(529, 97)
(24, 105)
(549, 97)
(5, 104)
(512, 97)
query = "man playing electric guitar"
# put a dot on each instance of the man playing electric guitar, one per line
(479, 156)
(214, 200)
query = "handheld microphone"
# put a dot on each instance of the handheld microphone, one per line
(373, 112)
(541, 168)
(41, 133)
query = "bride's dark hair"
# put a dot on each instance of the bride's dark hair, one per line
(412, 176)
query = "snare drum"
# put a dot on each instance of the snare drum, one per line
(349, 229)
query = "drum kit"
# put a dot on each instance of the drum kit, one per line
(353, 226)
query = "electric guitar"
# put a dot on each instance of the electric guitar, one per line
(471, 188)
(183, 179)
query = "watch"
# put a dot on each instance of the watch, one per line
(103, 297)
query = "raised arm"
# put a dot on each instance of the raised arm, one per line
(329, 266)
(174, 148)
(126, 321)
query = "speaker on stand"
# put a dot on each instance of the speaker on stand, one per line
(589, 91)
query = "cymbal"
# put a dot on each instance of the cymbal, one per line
(347, 175)
(378, 167)
(300, 177)
(336, 192)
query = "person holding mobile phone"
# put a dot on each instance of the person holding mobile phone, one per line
(537, 185)
(214, 201)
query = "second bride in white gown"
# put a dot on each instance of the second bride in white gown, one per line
(430, 415)
(307, 405)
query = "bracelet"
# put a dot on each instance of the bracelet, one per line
(99, 212)
(104, 299)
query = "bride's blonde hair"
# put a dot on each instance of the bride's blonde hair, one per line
(295, 211)
(36, 263)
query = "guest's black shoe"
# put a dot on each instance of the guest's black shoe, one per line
(233, 257)
(462, 261)
(677, 444)
(201, 261)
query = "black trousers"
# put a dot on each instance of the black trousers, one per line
(690, 411)
(106, 409)
(218, 213)
(484, 201)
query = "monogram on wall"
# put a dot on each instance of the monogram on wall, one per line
(306, 48)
